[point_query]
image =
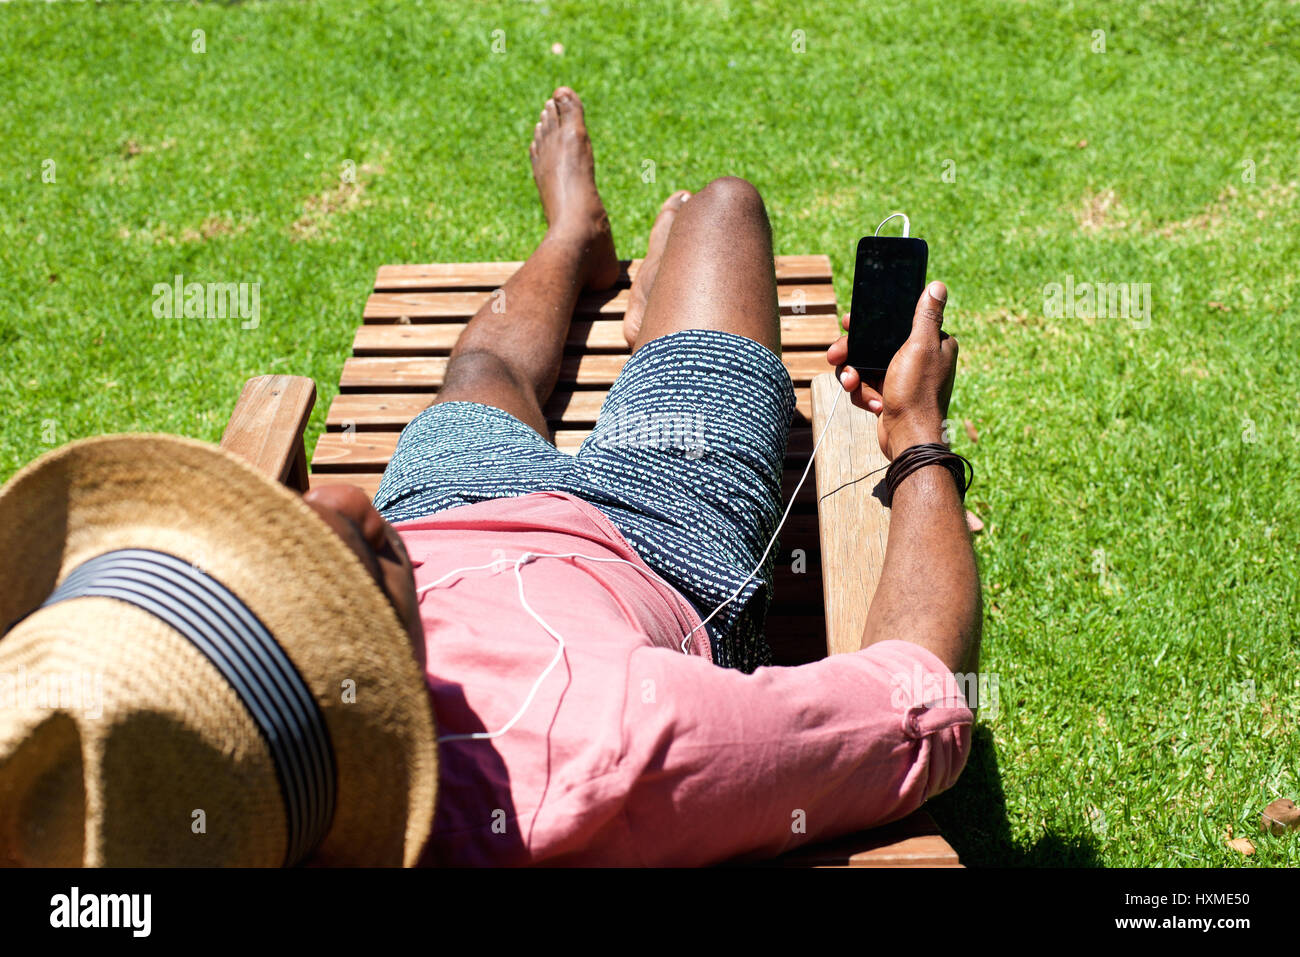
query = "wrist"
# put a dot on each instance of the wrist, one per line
(904, 437)
(921, 463)
(925, 482)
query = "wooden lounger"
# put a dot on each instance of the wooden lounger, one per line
(398, 361)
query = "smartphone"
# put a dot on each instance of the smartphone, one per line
(888, 280)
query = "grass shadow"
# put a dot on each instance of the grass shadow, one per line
(973, 819)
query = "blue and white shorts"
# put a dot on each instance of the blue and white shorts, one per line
(685, 460)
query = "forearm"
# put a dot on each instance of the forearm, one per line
(929, 590)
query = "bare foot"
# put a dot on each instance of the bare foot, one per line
(639, 294)
(565, 172)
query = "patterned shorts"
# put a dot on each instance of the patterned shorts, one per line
(685, 460)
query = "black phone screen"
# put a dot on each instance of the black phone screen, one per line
(887, 282)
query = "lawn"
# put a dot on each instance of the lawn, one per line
(1142, 591)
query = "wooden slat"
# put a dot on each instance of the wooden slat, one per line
(353, 452)
(362, 372)
(368, 482)
(422, 374)
(799, 299)
(491, 275)
(854, 524)
(604, 335)
(379, 411)
(266, 426)
(494, 274)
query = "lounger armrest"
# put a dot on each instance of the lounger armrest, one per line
(853, 525)
(267, 423)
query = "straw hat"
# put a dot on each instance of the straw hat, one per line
(248, 697)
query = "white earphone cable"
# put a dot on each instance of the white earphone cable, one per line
(907, 223)
(772, 541)
(527, 557)
(518, 563)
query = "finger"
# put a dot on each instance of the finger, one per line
(845, 321)
(949, 348)
(863, 394)
(869, 399)
(838, 353)
(927, 321)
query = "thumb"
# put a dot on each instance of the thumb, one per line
(927, 321)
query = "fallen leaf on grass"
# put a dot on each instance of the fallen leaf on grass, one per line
(1279, 817)
(1242, 846)
(970, 430)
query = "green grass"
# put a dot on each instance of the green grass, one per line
(1144, 710)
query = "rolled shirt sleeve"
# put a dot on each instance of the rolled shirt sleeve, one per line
(727, 765)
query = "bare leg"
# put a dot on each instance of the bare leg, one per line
(509, 354)
(715, 270)
(645, 277)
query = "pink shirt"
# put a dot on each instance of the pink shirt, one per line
(632, 752)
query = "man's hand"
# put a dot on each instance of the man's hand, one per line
(912, 402)
(929, 588)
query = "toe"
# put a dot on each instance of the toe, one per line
(568, 100)
(674, 202)
(570, 107)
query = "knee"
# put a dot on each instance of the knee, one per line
(479, 369)
(733, 193)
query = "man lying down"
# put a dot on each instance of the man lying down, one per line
(515, 655)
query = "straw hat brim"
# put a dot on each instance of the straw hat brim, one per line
(211, 509)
